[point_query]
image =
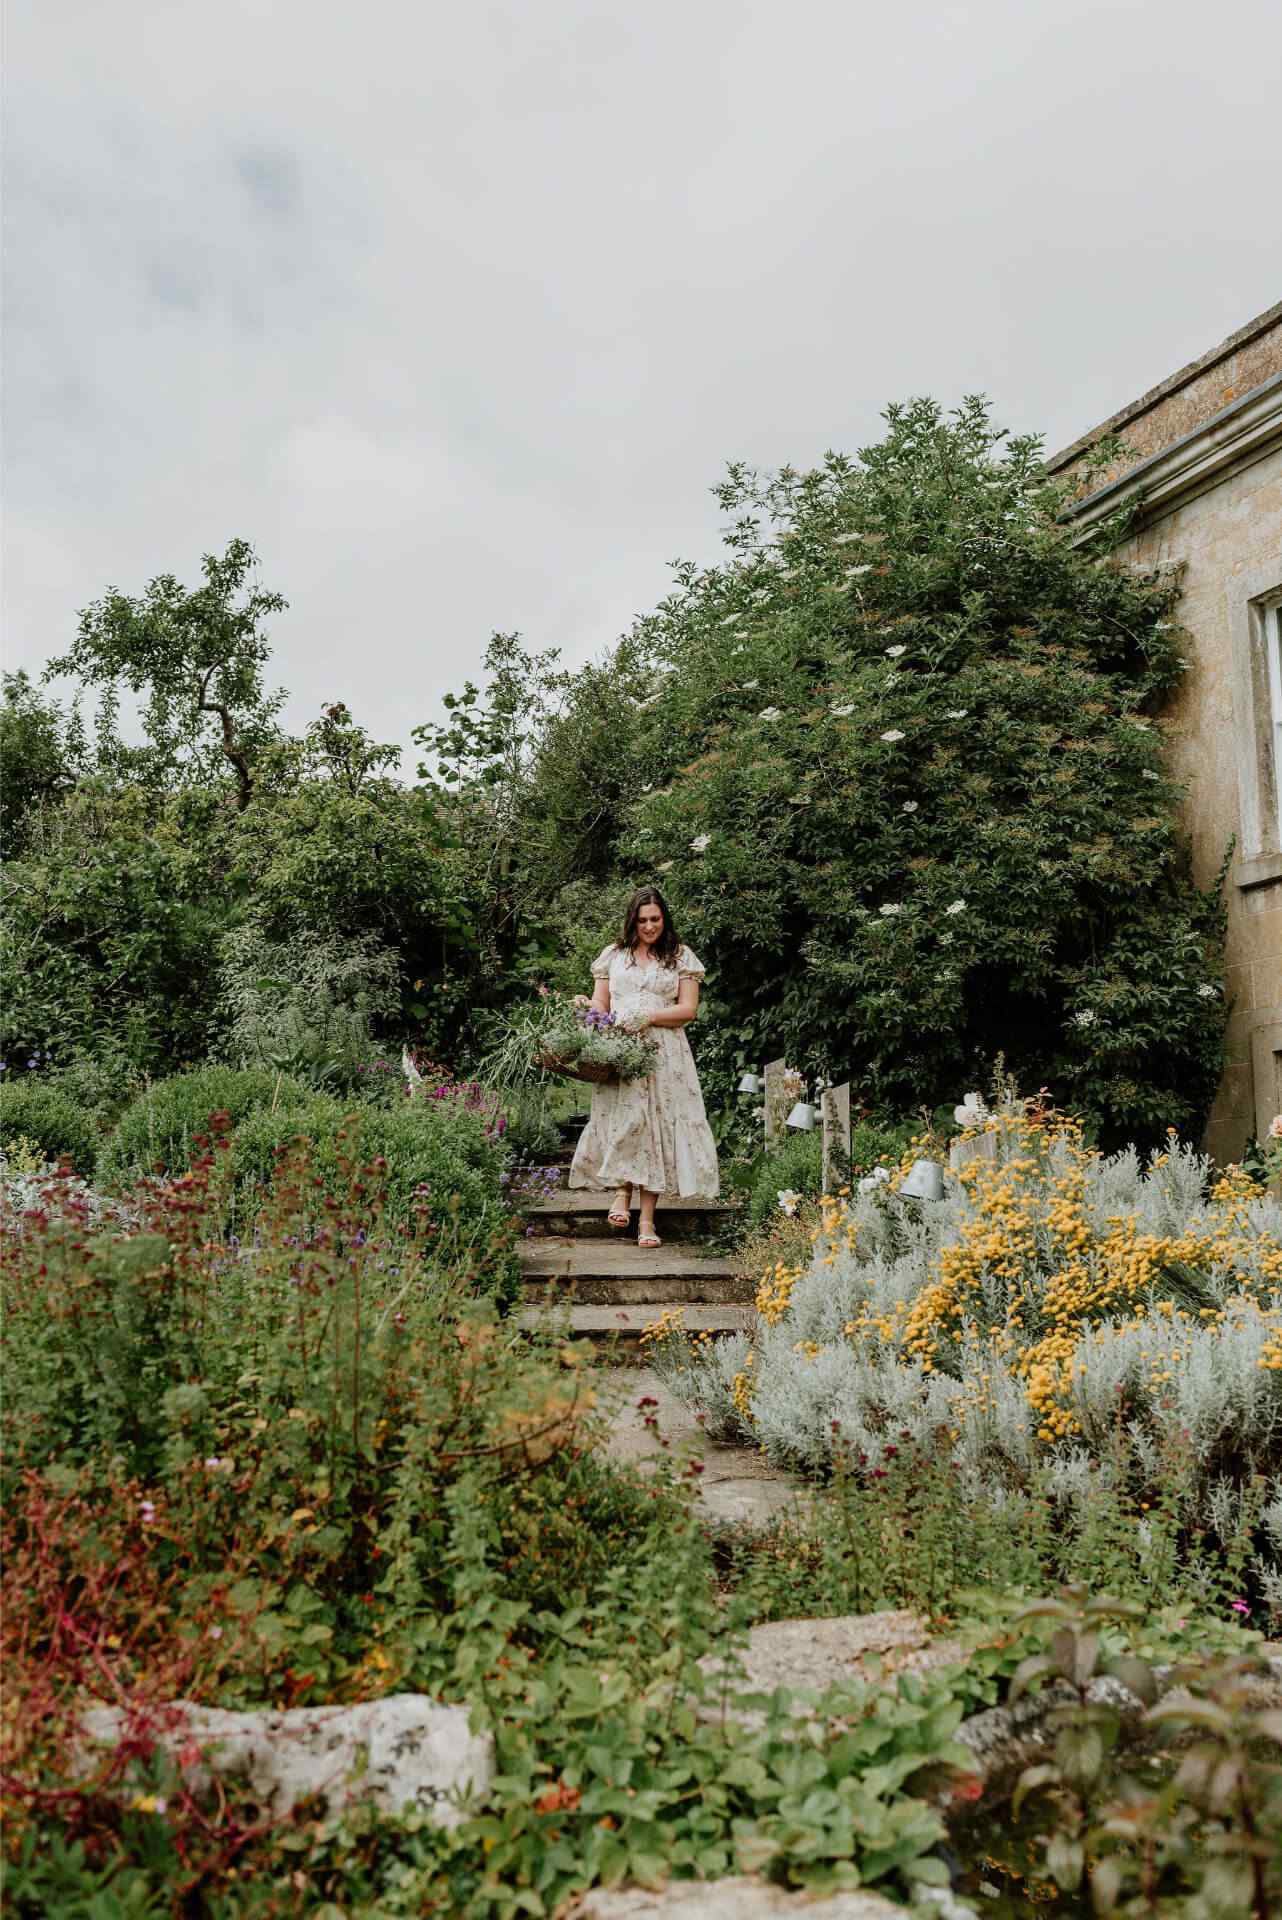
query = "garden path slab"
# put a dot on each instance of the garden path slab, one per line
(734, 1899)
(738, 1485)
(808, 1655)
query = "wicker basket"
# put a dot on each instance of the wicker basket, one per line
(577, 1070)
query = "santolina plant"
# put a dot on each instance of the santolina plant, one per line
(1060, 1312)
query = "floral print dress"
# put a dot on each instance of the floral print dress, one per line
(650, 1133)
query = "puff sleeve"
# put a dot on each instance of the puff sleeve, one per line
(689, 965)
(601, 965)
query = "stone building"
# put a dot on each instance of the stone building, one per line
(1205, 456)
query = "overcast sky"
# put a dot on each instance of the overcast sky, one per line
(457, 311)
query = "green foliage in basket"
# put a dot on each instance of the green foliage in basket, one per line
(552, 1026)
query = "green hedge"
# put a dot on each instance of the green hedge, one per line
(797, 1165)
(439, 1146)
(156, 1131)
(52, 1122)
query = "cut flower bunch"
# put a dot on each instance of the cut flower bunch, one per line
(1059, 1312)
(555, 1029)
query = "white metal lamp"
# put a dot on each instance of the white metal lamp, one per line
(750, 1082)
(802, 1117)
(924, 1180)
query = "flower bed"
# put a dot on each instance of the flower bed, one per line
(1058, 1313)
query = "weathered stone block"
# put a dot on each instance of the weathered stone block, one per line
(406, 1750)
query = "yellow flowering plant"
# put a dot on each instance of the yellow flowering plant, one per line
(1059, 1309)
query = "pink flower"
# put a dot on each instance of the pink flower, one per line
(1239, 1606)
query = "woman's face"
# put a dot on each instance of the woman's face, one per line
(649, 925)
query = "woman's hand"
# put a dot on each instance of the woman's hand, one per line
(582, 1000)
(637, 1023)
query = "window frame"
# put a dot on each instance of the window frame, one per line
(1255, 621)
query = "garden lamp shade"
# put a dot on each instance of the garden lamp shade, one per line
(802, 1117)
(923, 1181)
(750, 1083)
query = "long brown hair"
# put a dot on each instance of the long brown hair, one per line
(667, 946)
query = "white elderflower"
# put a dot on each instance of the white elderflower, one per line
(768, 713)
(1149, 774)
(1085, 1018)
(895, 652)
(750, 686)
(842, 713)
(853, 573)
(1208, 992)
(957, 906)
(892, 734)
(891, 906)
(701, 843)
(957, 713)
(910, 806)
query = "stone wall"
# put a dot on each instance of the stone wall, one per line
(1188, 399)
(1212, 438)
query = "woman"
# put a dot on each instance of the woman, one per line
(651, 1134)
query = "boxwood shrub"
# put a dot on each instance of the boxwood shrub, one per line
(155, 1133)
(50, 1121)
(439, 1146)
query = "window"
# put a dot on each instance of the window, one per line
(1255, 620)
(1273, 656)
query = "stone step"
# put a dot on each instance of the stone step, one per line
(618, 1329)
(581, 1212)
(620, 1273)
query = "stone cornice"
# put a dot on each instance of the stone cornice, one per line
(1238, 434)
(1243, 337)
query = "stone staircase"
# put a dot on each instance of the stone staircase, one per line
(613, 1288)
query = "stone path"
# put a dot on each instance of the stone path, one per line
(737, 1485)
(613, 1289)
(574, 1264)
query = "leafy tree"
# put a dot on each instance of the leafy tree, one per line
(199, 658)
(42, 753)
(898, 761)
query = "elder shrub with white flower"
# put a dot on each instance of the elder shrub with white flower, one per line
(959, 727)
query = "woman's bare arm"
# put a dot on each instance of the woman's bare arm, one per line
(685, 1010)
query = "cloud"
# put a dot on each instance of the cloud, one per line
(457, 313)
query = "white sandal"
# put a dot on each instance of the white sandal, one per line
(650, 1239)
(618, 1216)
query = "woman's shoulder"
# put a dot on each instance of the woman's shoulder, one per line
(689, 962)
(604, 960)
